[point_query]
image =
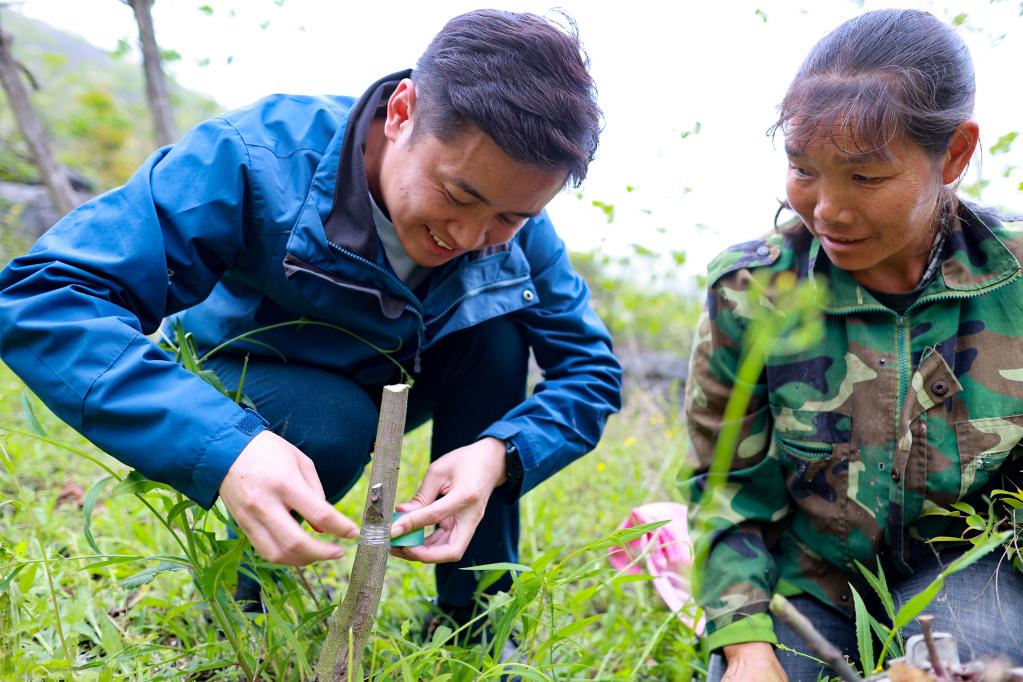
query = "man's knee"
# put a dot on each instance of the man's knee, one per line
(337, 435)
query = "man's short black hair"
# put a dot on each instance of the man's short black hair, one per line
(521, 79)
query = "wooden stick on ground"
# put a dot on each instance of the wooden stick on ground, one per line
(821, 648)
(352, 622)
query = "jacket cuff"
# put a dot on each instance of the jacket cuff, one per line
(510, 491)
(756, 628)
(218, 456)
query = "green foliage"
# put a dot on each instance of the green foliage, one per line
(92, 105)
(639, 298)
(104, 133)
(147, 596)
(1004, 143)
(785, 318)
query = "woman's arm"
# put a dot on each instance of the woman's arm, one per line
(739, 575)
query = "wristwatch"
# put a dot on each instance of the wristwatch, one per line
(513, 467)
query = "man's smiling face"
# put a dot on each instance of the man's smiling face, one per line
(448, 198)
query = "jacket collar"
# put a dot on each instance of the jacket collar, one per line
(974, 261)
(351, 214)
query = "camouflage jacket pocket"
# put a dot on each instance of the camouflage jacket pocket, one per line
(809, 451)
(984, 445)
(808, 435)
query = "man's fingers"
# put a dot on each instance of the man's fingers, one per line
(321, 514)
(430, 515)
(308, 470)
(430, 489)
(292, 546)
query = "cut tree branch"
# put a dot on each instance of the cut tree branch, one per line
(352, 622)
(821, 647)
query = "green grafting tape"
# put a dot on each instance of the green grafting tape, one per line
(413, 539)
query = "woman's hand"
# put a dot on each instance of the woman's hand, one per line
(752, 662)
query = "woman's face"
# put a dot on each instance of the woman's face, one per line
(875, 217)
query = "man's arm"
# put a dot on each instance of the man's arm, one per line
(75, 312)
(561, 421)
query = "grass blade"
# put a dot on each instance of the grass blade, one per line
(864, 641)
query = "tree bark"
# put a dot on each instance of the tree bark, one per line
(164, 128)
(350, 627)
(51, 172)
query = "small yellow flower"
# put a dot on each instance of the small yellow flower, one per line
(601, 466)
(630, 441)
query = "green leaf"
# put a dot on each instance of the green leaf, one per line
(569, 630)
(441, 635)
(146, 576)
(1004, 143)
(864, 640)
(136, 484)
(30, 415)
(964, 508)
(976, 522)
(123, 48)
(880, 587)
(179, 508)
(206, 9)
(918, 603)
(883, 633)
(544, 560)
(210, 576)
(88, 504)
(6, 582)
(283, 626)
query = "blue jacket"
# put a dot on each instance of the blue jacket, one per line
(259, 217)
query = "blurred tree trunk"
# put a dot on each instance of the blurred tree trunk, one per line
(156, 85)
(51, 172)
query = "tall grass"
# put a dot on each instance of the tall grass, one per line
(141, 590)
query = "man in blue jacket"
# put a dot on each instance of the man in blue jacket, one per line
(405, 228)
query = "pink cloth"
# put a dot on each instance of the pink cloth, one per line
(669, 555)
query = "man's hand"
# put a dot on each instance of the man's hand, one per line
(270, 479)
(753, 662)
(453, 496)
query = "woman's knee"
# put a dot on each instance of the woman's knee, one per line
(981, 605)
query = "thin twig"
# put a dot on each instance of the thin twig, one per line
(821, 647)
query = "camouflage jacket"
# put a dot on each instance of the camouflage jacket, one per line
(844, 446)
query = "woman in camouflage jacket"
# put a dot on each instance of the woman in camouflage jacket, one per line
(912, 401)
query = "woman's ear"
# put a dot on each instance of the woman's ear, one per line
(400, 109)
(960, 150)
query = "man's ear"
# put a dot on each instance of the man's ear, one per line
(960, 151)
(401, 108)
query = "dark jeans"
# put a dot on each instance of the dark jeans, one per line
(469, 380)
(981, 606)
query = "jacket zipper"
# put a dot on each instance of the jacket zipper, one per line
(422, 325)
(420, 328)
(902, 330)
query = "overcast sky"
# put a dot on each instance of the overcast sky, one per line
(661, 68)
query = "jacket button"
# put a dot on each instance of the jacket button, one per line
(939, 387)
(763, 250)
(896, 476)
(845, 597)
(528, 295)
